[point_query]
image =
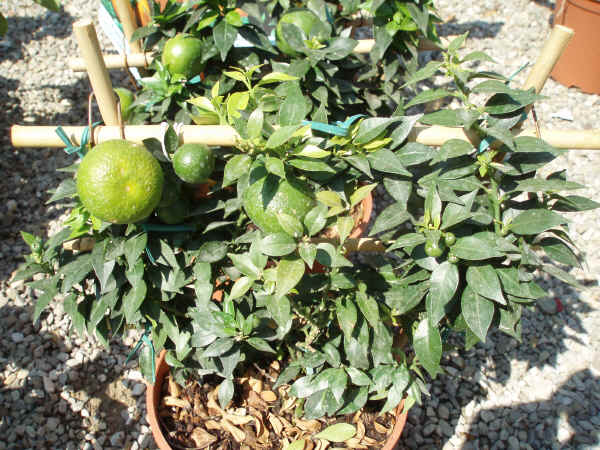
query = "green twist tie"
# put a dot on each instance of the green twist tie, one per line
(73, 148)
(337, 129)
(145, 339)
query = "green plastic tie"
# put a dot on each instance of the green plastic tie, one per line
(337, 129)
(73, 148)
(145, 339)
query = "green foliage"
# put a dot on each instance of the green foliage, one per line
(221, 294)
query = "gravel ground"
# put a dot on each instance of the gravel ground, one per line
(58, 391)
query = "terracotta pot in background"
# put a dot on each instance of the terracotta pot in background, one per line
(153, 394)
(579, 65)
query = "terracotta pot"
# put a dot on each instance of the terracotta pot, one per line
(153, 394)
(579, 65)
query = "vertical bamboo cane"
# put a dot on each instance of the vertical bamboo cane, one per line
(553, 48)
(127, 19)
(89, 47)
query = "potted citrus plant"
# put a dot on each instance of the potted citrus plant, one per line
(294, 357)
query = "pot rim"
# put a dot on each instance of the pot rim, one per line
(153, 395)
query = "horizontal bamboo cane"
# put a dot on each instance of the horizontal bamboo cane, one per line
(145, 59)
(45, 136)
(86, 244)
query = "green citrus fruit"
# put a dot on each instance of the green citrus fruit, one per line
(304, 19)
(119, 181)
(270, 196)
(449, 238)
(433, 248)
(174, 213)
(125, 100)
(193, 163)
(182, 55)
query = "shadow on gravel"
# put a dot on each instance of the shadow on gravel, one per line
(22, 30)
(478, 29)
(570, 418)
(28, 173)
(545, 3)
(481, 373)
(33, 414)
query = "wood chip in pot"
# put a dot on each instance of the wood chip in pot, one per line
(276, 424)
(177, 402)
(202, 438)
(380, 428)
(238, 435)
(268, 396)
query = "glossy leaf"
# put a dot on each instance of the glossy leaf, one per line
(442, 287)
(477, 311)
(428, 347)
(277, 244)
(289, 274)
(535, 221)
(484, 281)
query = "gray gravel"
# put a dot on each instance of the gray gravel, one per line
(58, 391)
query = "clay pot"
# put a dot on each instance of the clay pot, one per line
(153, 394)
(579, 65)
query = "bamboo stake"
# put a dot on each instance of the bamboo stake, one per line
(89, 47)
(45, 136)
(553, 48)
(145, 59)
(127, 19)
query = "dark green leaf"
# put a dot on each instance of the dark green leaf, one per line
(311, 165)
(260, 344)
(402, 299)
(218, 347)
(426, 72)
(391, 217)
(316, 219)
(414, 153)
(289, 274)
(224, 36)
(226, 391)
(277, 244)
(134, 247)
(358, 377)
(445, 117)
(484, 281)
(428, 96)
(235, 168)
(407, 240)
(475, 248)
(281, 135)
(370, 128)
(538, 185)
(287, 374)
(559, 251)
(428, 347)
(347, 315)
(443, 284)
(293, 109)
(244, 264)
(385, 161)
(574, 203)
(535, 221)
(477, 311)
(368, 306)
